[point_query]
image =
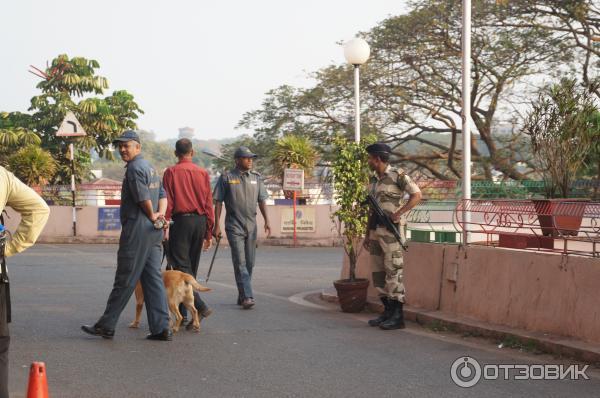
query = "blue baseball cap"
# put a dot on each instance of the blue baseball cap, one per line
(244, 152)
(128, 135)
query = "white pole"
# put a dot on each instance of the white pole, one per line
(466, 110)
(72, 153)
(356, 104)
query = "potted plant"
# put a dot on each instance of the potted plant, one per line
(350, 181)
(560, 126)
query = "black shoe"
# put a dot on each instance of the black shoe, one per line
(239, 301)
(248, 303)
(387, 312)
(206, 313)
(396, 320)
(165, 335)
(203, 309)
(98, 331)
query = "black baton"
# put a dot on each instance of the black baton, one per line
(212, 262)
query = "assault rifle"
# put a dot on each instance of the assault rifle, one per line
(385, 220)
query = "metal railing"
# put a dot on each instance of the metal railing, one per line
(566, 226)
(433, 221)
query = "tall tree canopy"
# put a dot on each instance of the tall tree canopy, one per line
(411, 85)
(72, 84)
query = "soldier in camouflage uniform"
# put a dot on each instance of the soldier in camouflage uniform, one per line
(389, 185)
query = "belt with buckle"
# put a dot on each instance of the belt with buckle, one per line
(185, 214)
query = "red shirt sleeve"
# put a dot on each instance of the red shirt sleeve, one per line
(169, 188)
(207, 202)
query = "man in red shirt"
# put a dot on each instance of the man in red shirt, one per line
(190, 206)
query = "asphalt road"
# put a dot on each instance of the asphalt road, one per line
(282, 348)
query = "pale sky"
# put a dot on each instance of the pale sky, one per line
(188, 63)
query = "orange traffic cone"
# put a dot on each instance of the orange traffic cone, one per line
(38, 384)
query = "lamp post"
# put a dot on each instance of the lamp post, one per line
(356, 52)
(466, 111)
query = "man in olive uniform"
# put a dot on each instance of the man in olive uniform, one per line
(241, 189)
(34, 214)
(389, 185)
(143, 202)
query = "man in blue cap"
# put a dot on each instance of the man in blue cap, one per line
(242, 189)
(143, 202)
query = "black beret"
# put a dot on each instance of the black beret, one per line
(378, 147)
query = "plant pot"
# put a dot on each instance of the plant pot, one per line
(560, 215)
(352, 295)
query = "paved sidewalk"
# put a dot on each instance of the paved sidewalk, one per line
(534, 341)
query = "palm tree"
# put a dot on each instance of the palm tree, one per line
(11, 139)
(293, 151)
(33, 165)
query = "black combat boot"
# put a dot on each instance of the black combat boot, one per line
(396, 320)
(203, 309)
(387, 312)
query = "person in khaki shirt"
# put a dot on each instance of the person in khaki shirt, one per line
(34, 214)
(389, 186)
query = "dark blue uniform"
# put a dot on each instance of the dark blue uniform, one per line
(241, 192)
(140, 248)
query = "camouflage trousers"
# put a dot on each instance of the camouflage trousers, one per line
(387, 264)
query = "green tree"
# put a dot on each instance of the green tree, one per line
(72, 84)
(411, 89)
(575, 22)
(33, 165)
(14, 137)
(311, 112)
(561, 126)
(591, 164)
(161, 154)
(226, 161)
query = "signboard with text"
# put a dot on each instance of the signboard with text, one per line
(293, 179)
(109, 218)
(305, 219)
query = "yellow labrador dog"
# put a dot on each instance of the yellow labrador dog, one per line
(179, 287)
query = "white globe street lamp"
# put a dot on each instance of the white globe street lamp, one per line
(356, 52)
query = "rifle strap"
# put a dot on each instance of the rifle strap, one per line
(4, 273)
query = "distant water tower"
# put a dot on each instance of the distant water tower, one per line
(186, 132)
